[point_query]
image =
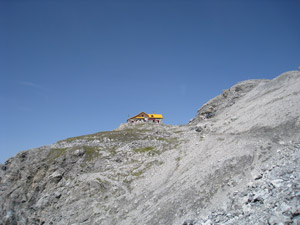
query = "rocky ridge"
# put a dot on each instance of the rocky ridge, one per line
(236, 162)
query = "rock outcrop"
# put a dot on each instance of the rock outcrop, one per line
(236, 162)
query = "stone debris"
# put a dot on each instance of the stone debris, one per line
(272, 199)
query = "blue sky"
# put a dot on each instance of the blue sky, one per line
(75, 67)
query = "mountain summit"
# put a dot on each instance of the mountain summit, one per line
(236, 162)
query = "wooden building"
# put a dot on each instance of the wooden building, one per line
(146, 118)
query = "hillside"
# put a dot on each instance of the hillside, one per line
(236, 162)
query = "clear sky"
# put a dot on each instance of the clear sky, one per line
(75, 67)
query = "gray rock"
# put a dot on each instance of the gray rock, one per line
(199, 129)
(243, 167)
(79, 152)
(56, 176)
(2, 167)
(57, 194)
(189, 222)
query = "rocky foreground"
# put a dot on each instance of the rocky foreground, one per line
(236, 162)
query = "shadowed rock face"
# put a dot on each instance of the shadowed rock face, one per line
(236, 162)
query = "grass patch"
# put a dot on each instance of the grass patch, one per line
(143, 170)
(178, 162)
(162, 139)
(178, 131)
(56, 153)
(102, 184)
(91, 152)
(137, 174)
(146, 149)
(99, 180)
(113, 150)
(117, 135)
(169, 140)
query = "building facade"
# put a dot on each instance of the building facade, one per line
(146, 118)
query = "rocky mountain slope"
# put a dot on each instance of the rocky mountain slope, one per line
(236, 162)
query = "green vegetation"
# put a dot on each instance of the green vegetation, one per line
(168, 140)
(91, 152)
(129, 134)
(146, 149)
(102, 184)
(151, 151)
(137, 132)
(178, 131)
(138, 173)
(56, 153)
(156, 141)
(113, 150)
(99, 180)
(178, 162)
